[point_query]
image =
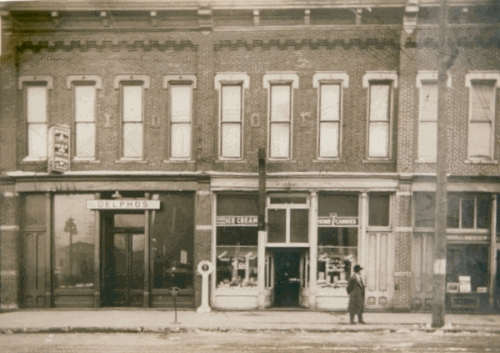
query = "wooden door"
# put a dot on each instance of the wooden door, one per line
(378, 270)
(35, 269)
(422, 261)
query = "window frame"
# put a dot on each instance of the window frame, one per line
(388, 228)
(388, 122)
(28, 124)
(288, 207)
(171, 123)
(222, 123)
(475, 228)
(281, 78)
(424, 120)
(76, 84)
(123, 84)
(338, 122)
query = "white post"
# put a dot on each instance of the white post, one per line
(261, 263)
(313, 249)
(204, 268)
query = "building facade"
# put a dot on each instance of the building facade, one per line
(130, 139)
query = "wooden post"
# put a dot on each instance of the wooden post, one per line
(313, 249)
(147, 287)
(48, 252)
(97, 255)
(493, 250)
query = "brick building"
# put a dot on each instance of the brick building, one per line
(130, 139)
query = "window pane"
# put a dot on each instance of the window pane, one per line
(132, 103)
(280, 140)
(280, 103)
(132, 140)
(427, 141)
(468, 260)
(379, 102)
(137, 261)
(85, 140)
(343, 205)
(277, 226)
(238, 205)
(172, 241)
(379, 210)
(35, 210)
(231, 140)
(37, 140)
(84, 103)
(379, 139)
(237, 236)
(468, 212)
(483, 212)
(425, 207)
(329, 140)
(337, 255)
(37, 104)
(237, 266)
(180, 103)
(330, 102)
(231, 103)
(483, 99)
(181, 140)
(480, 140)
(74, 237)
(129, 220)
(299, 226)
(288, 200)
(337, 236)
(453, 211)
(429, 102)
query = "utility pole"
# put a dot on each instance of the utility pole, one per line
(438, 305)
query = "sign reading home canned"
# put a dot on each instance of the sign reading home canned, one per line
(123, 204)
(334, 221)
(58, 149)
(240, 221)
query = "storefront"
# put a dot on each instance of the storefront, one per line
(120, 248)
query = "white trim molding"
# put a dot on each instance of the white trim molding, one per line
(280, 77)
(48, 79)
(232, 77)
(427, 75)
(380, 75)
(330, 75)
(482, 75)
(86, 78)
(203, 227)
(119, 78)
(180, 78)
(9, 227)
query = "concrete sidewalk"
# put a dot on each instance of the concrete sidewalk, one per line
(155, 320)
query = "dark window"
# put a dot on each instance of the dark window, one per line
(238, 205)
(379, 210)
(35, 210)
(237, 236)
(468, 260)
(277, 226)
(469, 211)
(453, 211)
(299, 226)
(425, 207)
(483, 211)
(344, 205)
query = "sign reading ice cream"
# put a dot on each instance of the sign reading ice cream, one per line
(123, 204)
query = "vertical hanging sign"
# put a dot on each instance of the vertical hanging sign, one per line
(58, 149)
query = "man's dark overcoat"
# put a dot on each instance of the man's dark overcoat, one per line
(356, 291)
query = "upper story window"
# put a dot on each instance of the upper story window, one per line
(84, 111)
(482, 86)
(180, 114)
(132, 114)
(379, 113)
(231, 88)
(330, 85)
(280, 113)
(36, 114)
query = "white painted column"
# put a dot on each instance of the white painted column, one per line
(261, 263)
(213, 283)
(313, 249)
(493, 249)
(363, 218)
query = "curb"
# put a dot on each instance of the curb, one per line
(167, 330)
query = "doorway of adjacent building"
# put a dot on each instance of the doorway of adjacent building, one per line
(287, 278)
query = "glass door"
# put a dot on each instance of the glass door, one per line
(125, 279)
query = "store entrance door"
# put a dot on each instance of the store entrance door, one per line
(124, 269)
(287, 278)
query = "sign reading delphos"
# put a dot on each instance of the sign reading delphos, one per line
(123, 204)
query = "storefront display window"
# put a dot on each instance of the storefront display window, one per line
(467, 268)
(237, 239)
(74, 237)
(172, 241)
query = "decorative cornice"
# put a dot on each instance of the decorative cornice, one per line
(483, 75)
(48, 79)
(462, 42)
(425, 75)
(232, 77)
(88, 78)
(333, 75)
(179, 78)
(108, 44)
(312, 44)
(119, 78)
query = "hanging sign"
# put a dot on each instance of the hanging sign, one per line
(334, 221)
(58, 148)
(238, 221)
(123, 204)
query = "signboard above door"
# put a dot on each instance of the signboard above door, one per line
(123, 204)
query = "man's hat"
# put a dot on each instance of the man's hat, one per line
(357, 268)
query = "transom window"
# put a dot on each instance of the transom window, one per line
(288, 220)
(469, 211)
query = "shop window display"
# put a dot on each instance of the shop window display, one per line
(74, 237)
(467, 268)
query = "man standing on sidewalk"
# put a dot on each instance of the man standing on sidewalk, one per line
(356, 291)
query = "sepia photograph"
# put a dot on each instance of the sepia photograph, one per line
(249, 176)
